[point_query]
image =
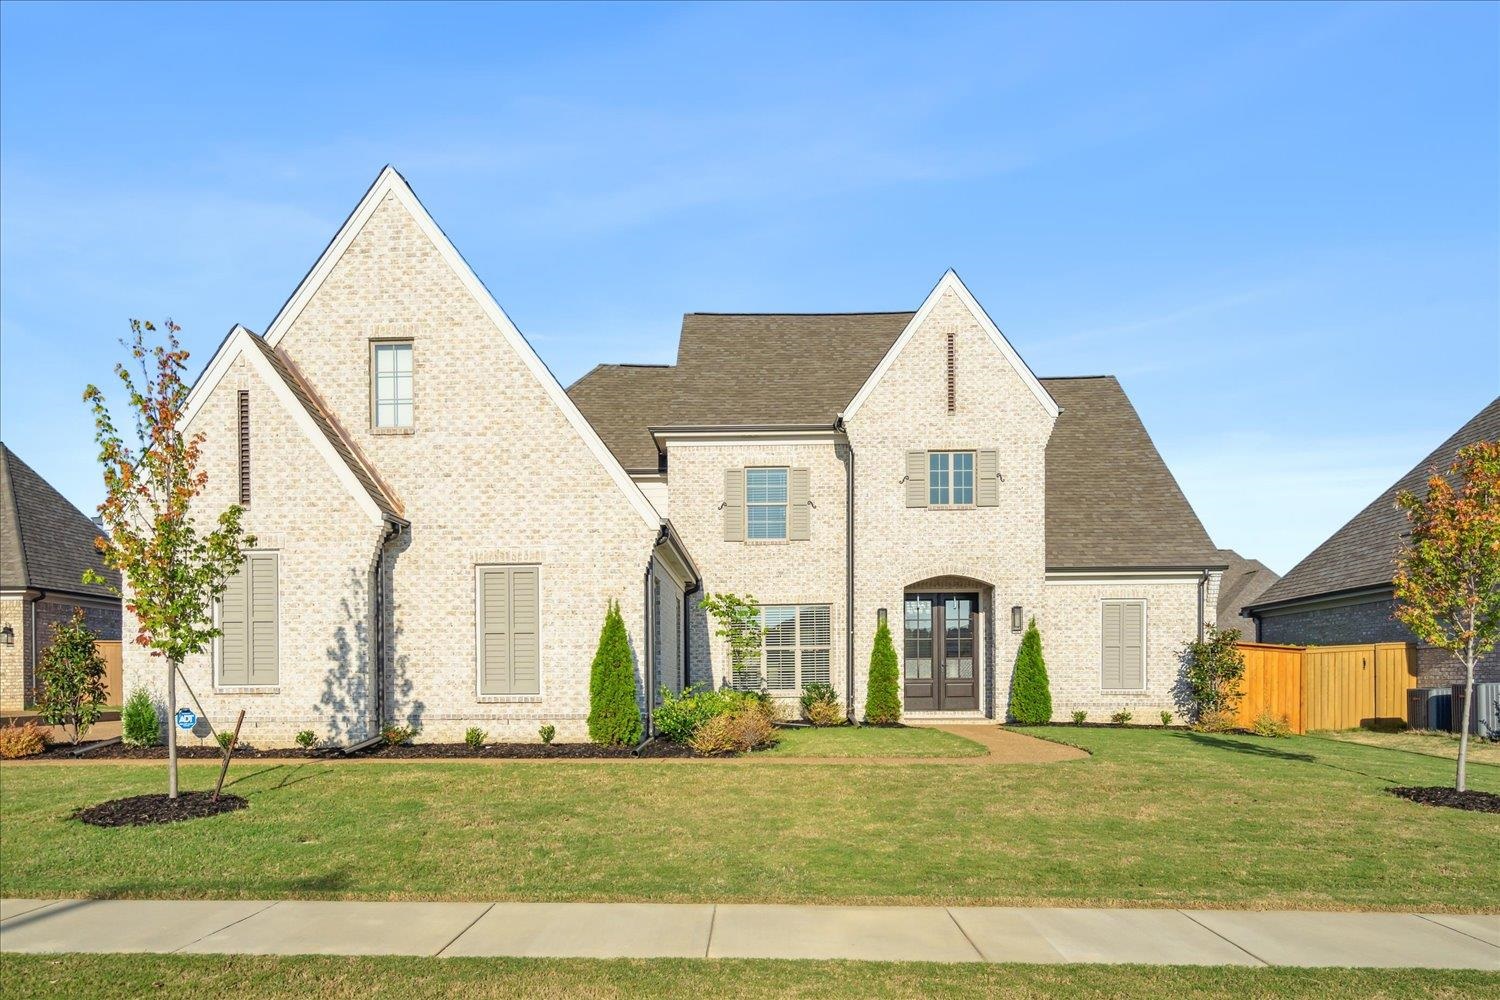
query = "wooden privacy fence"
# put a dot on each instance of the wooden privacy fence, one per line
(1327, 687)
(114, 681)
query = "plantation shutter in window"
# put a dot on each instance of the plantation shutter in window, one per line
(1133, 645)
(799, 519)
(263, 601)
(987, 478)
(494, 627)
(234, 624)
(734, 505)
(916, 479)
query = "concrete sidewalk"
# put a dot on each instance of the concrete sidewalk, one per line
(651, 930)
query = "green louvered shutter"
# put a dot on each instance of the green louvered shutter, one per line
(1111, 651)
(494, 627)
(1132, 645)
(510, 630)
(525, 611)
(916, 479)
(264, 666)
(734, 505)
(798, 514)
(234, 624)
(987, 478)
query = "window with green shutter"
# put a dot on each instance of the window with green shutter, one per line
(1123, 645)
(509, 611)
(249, 619)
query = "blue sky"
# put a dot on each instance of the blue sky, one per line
(1278, 225)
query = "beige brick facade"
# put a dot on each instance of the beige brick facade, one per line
(31, 617)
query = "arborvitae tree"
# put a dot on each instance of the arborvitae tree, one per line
(883, 697)
(139, 724)
(1030, 693)
(614, 716)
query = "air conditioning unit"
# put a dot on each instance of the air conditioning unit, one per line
(1429, 708)
(1484, 714)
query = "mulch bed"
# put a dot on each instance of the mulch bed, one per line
(150, 810)
(119, 751)
(1487, 802)
(526, 751)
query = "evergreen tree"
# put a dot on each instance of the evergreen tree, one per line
(883, 697)
(614, 717)
(1030, 693)
(139, 724)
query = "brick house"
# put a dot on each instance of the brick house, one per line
(1341, 593)
(46, 544)
(439, 524)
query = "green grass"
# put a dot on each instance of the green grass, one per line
(1153, 817)
(108, 976)
(872, 741)
(1437, 744)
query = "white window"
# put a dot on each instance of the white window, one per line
(765, 503)
(950, 479)
(392, 388)
(795, 640)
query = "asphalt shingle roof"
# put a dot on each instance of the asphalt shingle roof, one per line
(1111, 500)
(45, 542)
(1244, 581)
(1363, 552)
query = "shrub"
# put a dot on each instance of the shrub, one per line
(548, 733)
(734, 732)
(474, 737)
(21, 741)
(1030, 693)
(883, 698)
(1212, 670)
(139, 724)
(71, 678)
(307, 739)
(823, 713)
(679, 716)
(224, 739)
(1274, 726)
(1166, 718)
(1078, 716)
(394, 736)
(614, 717)
(1120, 718)
(1217, 721)
(815, 695)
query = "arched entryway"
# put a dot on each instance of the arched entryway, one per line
(944, 644)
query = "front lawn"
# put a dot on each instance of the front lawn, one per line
(1153, 817)
(328, 978)
(872, 741)
(1481, 751)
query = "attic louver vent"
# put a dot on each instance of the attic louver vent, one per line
(952, 375)
(244, 448)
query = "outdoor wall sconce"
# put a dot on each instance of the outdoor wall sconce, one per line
(1015, 618)
(880, 615)
(7, 636)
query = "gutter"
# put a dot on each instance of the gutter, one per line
(840, 427)
(1202, 602)
(392, 532)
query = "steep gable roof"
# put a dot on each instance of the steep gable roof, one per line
(45, 542)
(1362, 553)
(1244, 580)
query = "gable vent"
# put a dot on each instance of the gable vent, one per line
(952, 374)
(244, 447)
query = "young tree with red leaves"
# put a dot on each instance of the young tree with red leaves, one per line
(1448, 575)
(172, 572)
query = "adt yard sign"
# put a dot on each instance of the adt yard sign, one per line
(186, 718)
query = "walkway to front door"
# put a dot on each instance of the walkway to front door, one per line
(939, 661)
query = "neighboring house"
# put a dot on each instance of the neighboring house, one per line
(439, 525)
(46, 544)
(1341, 593)
(1244, 581)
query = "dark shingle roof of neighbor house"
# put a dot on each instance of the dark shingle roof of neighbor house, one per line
(1111, 501)
(45, 542)
(1244, 581)
(1362, 553)
(378, 491)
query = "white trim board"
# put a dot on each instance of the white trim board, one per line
(239, 343)
(392, 183)
(950, 281)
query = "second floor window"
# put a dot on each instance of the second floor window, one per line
(765, 503)
(950, 479)
(393, 387)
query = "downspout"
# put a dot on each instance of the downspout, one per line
(1202, 602)
(392, 532)
(646, 667)
(839, 426)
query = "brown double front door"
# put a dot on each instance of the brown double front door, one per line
(938, 667)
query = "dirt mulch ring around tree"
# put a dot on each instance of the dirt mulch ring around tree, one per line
(150, 810)
(1487, 802)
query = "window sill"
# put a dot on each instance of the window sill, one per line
(952, 506)
(246, 689)
(393, 431)
(510, 699)
(767, 541)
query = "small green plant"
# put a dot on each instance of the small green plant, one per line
(738, 620)
(1120, 718)
(883, 697)
(1078, 716)
(1274, 726)
(1166, 718)
(1030, 691)
(224, 739)
(394, 736)
(679, 716)
(71, 678)
(307, 739)
(820, 705)
(1214, 669)
(474, 737)
(548, 733)
(139, 724)
(614, 716)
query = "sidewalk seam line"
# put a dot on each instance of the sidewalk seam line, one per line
(47, 905)
(977, 950)
(1446, 927)
(1233, 944)
(226, 927)
(467, 927)
(713, 920)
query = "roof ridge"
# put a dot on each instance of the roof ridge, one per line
(1075, 378)
(7, 487)
(857, 312)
